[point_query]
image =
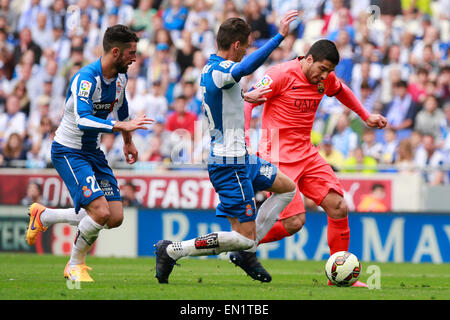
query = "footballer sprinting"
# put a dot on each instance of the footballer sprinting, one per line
(95, 91)
(296, 89)
(233, 173)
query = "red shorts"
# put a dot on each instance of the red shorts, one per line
(314, 178)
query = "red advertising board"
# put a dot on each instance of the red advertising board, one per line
(172, 190)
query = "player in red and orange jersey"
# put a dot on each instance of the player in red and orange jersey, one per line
(294, 90)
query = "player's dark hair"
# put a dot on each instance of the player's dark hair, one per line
(118, 36)
(324, 50)
(232, 30)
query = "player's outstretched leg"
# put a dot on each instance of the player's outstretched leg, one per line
(164, 263)
(249, 262)
(35, 225)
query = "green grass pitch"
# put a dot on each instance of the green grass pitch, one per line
(33, 277)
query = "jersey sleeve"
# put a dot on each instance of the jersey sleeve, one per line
(333, 85)
(82, 90)
(221, 74)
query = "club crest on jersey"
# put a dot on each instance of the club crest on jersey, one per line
(85, 88)
(86, 192)
(321, 87)
(248, 210)
(265, 82)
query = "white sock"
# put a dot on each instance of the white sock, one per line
(87, 233)
(52, 216)
(268, 214)
(210, 244)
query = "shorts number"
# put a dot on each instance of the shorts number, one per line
(94, 184)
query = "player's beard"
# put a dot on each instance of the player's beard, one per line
(121, 66)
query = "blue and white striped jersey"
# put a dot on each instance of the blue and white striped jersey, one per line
(89, 101)
(223, 103)
(223, 99)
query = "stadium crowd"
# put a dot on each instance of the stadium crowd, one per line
(394, 56)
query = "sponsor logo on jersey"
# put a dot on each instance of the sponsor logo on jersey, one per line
(85, 88)
(106, 188)
(266, 171)
(307, 105)
(205, 242)
(265, 82)
(105, 106)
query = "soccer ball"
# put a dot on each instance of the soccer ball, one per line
(343, 268)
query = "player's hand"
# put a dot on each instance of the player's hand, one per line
(290, 16)
(376, 121)
(128, 126)
(130, 152)
(257, 96)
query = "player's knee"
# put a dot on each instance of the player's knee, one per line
(114, 222)
(294, 224)
(99, 213)
(340, 211)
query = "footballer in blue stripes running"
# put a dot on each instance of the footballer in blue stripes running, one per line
(233, 172)
(95, 91)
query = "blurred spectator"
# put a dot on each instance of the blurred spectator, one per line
(156, 146)
(344, 70)
(400, 113)
(373, 202)
(13, 150)
(13, 120)
(112, 148)
(257, 20)
(345, 140)
(57, 14)
(29, 16)
(185, 53)
(429, 158)
(41, 138)
(41, 111)
(430, 118)
(204, 38)
(330, 154)
(174, 17)
(443, 84)
(181, 118)
(156, 106)
(143, 16)
(360, 162)
(128, 193)
(404, 157)
(444, 140)
(34, 194)
(390, 145)
(12, 17)
(42, 33)
(417, 88)
(370, 146)
(193, 104)
(199, 13)
(162, 68)
(26, 43)
(20, 91)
